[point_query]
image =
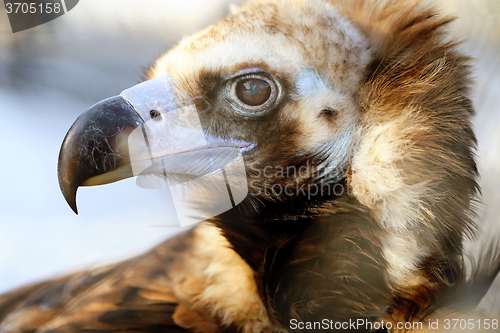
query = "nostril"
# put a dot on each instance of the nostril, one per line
(154, 114)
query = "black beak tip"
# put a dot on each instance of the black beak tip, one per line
(71, 200)
(74, 208)
(90, 147)
(68, 190)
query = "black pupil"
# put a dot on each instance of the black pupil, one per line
(253, 92)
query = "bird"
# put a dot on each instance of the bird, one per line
(352, 123)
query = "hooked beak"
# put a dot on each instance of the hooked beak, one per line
(95, 149)
(144, 131)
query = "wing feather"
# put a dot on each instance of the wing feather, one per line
(136, 295)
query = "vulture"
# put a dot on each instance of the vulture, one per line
(324, 153)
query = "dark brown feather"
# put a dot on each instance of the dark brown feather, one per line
(134, 296)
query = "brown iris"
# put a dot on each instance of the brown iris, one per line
(253, 92)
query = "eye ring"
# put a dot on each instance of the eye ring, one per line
(253, 87)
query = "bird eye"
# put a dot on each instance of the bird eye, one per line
(252, 93)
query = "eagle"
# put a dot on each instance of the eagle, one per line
(339, 131)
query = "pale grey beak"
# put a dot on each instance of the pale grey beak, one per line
(145, 131)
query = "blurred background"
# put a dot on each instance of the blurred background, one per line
(52, 73)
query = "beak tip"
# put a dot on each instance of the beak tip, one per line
(67, 184)
(73, 207)
(70, 195)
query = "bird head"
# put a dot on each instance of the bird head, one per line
(274, 84)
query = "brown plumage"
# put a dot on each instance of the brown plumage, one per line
(369, 98)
